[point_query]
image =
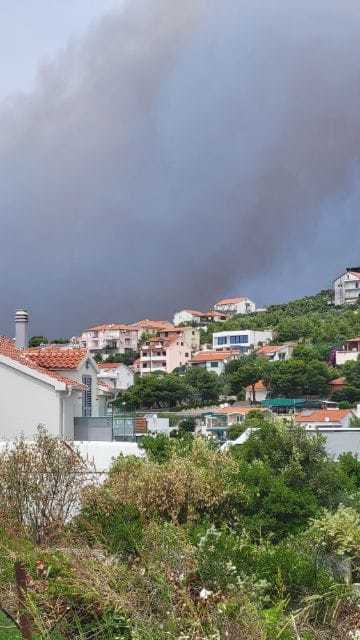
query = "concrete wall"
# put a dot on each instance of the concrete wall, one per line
(93, 429)
(340, 441)
(25, 403)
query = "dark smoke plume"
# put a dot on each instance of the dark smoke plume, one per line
(181, 151)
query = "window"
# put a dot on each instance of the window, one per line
(239, 339)
(222, 340)
(144, 366)
(186, 355)
(239, 419)
(214, 365)
(87, 397)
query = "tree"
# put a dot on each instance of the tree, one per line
(98, 357)
(245, 372)
(36, 341)
(187, 425)
(296, 378)
(125, 358)
(40, 485)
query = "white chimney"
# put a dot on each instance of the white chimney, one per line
(21, 328)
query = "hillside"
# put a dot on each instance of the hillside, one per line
(312, 318)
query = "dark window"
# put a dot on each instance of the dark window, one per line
(222, 340)
(214, 365)
(238, 339)
(86, 397)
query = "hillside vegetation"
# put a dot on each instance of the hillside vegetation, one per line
(190, 543)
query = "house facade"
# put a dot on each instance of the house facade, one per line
(76, 363)
(110, 338)
(116, 374)
(260, 392)
(347, 287)
(349, 353)
(164, 353)
(337, 418)
(244, 341)
(276, 352)
(213, 361)
(189, 316)
(32, 395)
(234, 306)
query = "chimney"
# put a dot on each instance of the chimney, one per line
(21, 328)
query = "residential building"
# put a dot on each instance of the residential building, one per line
(326, 418)
(116, 374)
(189, 335)
(110, 339)
(76, 363)
(276, 352)
(349, 352)
(234, 306)
(32, 395)
(213, 361)
(189, 316)
(260, 392)
(347, 287)
(164, 353)
(218, 421)
(337, 385)
(105, 394)
(245, 341)
(151, 327)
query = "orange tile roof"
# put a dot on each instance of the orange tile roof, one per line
(197, 314)
(338, 382)
(270, 348)
(212, 356)
(9, 350)
(57, 358)
(153, 324)
(109, 327)
(324, 415)
(104, 386)
(259, 386)
(231, 301)
(109, 365)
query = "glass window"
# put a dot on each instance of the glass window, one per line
(214, 365)
(86, 397)
(222, 340)
(239, 339)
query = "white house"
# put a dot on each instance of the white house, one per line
(234, 306)
(349, 353)
(117, 374)
(79, 365)
(197, 317)
(347, 287)
(31, 395)
(245, 341)
(213, 361)
(326, 418)
(260, 392)
(110, 338)
(276, 352)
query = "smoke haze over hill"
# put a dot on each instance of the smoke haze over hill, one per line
(180, 151)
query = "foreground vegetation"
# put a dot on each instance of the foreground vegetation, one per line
(187, 543)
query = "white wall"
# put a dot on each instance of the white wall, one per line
(25, 403)
(346, 356)
(255, 338)
(77, 376)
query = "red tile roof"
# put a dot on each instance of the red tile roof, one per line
(109, 365)
(57, 358)
(338, 382)
(104, 386)
(270, 348)
(212, 356)
(9, 350)
(324, 415)
(153, 324)
(110, 327)
(259, 386)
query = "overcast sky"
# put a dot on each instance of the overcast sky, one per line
(157, 154)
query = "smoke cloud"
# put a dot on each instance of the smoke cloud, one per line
(178, 152)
